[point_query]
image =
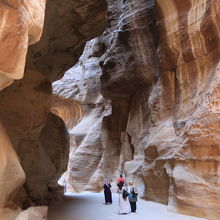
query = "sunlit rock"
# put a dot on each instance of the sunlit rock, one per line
(21, 24)
(79, 103)
(11, 177)
(33, 213)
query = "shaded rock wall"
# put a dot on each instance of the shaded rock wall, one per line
(67, 28)
(160, 69)
(21, 24)
(40, 140)
(23, 117)
(11, 175)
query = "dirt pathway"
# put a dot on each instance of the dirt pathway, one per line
(90, 206)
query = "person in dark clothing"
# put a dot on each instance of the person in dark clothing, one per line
(107, 192)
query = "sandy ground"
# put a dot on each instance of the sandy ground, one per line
(90, 206)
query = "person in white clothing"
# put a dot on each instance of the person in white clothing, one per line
(124, 205)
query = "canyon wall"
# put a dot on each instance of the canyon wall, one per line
(40, 138)
(189, 52)
(80, 90)
(123, 64)
(159, 67)
(142, 100)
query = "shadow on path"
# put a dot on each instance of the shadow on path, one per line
(91, 206)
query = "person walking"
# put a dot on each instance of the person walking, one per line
(133, 195)
(124, 206)
(107, 192)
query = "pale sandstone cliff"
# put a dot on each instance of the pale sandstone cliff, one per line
(189, 52)
(163, 130)
(21, 25)
(84, 111)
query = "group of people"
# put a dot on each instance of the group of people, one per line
(127, 195)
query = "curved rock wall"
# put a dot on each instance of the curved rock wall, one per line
(160, 69)
(125, 68)
(67, 28)
(39, 137)
(11, 175)
(189, 81)
(21, 25)
(85, 109)
(143, 100)
(130, 68)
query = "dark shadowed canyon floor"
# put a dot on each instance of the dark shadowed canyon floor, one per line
(90, 206)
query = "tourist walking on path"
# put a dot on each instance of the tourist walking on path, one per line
(133, 194)
(107, 192)
(124, 206)
(120, 182)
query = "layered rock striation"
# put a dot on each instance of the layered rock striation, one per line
(189, 52)
(124, 66)
(160, 69)
(83, 113)
(40, 138)
(21, 25)
(142, 100)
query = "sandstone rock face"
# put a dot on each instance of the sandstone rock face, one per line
(33, 213)
(187, 92)
(21, 25)
(79, 103)
(143, 100)
(39, 137)
(67, 28)
(41, 149)
(11, 177)
(130, 57)
(130, 67)
(163, 83)
(125, 66)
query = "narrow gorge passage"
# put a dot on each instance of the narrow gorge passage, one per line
(90, 206)
(91, 89)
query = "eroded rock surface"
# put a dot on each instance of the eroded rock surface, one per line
(41, 140)
(124, 67)
(11, 177)
(23, 115)
(187, 92)
(143, 100)
(68, 25)
(21, 25)
(160, 69)
(78, 101)
(33, 213)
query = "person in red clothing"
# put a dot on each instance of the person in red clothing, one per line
(120, 182)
